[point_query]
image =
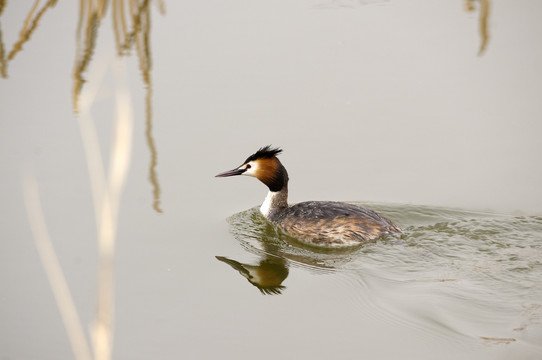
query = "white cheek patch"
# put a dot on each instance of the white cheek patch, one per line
(252, 170)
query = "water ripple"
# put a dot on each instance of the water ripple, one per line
(453, 273)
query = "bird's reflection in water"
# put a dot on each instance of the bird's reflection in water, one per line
(278, 252)
(267, 276)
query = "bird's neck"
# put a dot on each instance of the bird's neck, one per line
(275, 200)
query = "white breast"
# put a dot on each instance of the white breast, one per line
(265, 209)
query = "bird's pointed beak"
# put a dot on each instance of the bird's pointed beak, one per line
(236, 171)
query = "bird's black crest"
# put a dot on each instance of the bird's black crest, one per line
(264, 153)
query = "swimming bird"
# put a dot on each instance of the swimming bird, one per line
(320, 223)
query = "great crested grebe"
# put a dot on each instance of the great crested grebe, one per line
(321, 223)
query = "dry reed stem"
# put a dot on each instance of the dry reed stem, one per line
(30, 24)
(54, 273)
(484, 16)
(90, 15)
(120, 160)
(3, 61)
(106, 197)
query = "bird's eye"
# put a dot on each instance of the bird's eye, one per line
(248, 166)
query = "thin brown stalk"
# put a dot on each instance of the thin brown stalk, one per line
(84, 54)
(2, 6)
(153, 176)
(29, 26)
(119, 25)
(143, 51)
(3, 62)
(484, 19)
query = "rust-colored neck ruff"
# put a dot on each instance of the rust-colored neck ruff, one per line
(272, 173)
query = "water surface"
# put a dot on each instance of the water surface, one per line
(454, 276)
(417, 102)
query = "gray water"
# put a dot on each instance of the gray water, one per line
(428, 112)
(457, 277)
